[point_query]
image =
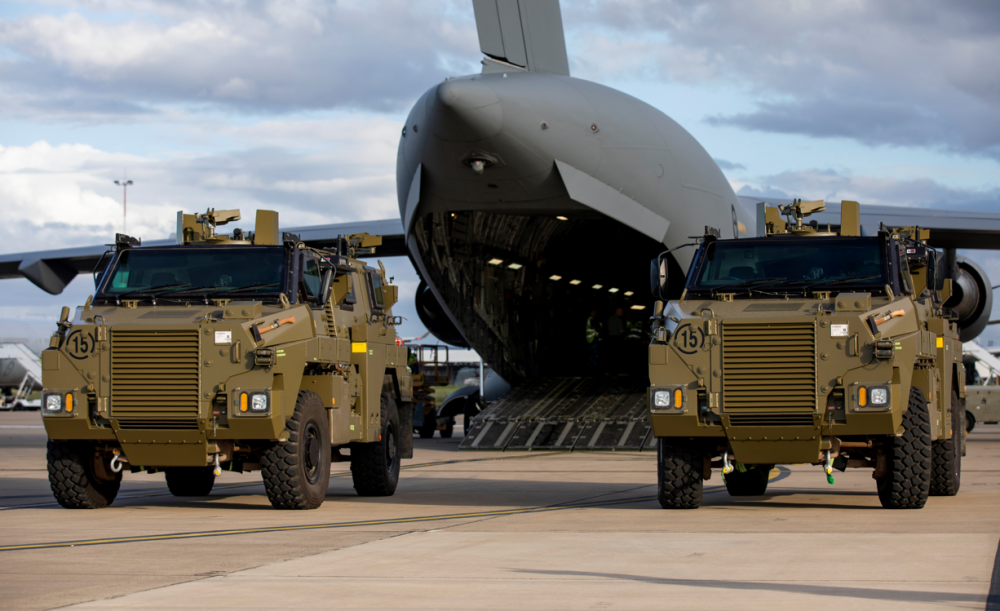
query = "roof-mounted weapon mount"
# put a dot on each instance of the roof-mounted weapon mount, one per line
(201, 227)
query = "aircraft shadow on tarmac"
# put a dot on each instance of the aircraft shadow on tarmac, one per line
(917, 596)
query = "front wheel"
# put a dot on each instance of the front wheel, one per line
(906, 480)
(375, 466)
(296, 472)
(947, 455)
(679, 474)
(80, 476)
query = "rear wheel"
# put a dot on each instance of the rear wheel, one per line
(752, 482)
(906, 481)
(679, 474)
(297, 472)
(970, 421)
(80, 476)
(375, 466)
(426, 430)
(449, 429)
(947, 455)
(190, 481)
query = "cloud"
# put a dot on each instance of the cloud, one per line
(893, 72)
(836, 186)
(259, 57)
(729, 165)
(63, 196)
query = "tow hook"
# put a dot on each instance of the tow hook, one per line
(828, 467)
(218, 469)
(727, 468)
(116, 465)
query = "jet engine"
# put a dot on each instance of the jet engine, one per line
(435, 319)
(971, 299)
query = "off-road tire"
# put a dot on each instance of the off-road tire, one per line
(449, 429)
(970, 421)
(426, 430)
(965, 432)
(297, 472)
(679, 475)
(471, 411)
(375, 465)
(946, 478)
(752, 482)
(78, 476)
(907, 480)
(190, 481)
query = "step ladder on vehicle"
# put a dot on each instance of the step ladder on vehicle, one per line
(20, 375)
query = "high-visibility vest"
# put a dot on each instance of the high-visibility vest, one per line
(591, 330)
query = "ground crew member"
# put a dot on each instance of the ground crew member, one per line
(593, 337)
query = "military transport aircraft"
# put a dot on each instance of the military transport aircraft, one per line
(528, 198)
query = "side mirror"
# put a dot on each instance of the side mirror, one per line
(325, 286)
(658, 278)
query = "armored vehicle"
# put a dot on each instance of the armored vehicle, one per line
(808, 345)
(241, 352)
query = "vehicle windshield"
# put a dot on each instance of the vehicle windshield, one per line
(791, 265)
(244, 270)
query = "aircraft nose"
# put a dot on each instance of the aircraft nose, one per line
(467, 110)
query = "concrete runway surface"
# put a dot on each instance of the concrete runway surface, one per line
(499, 531)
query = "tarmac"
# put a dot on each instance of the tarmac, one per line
(499, 531)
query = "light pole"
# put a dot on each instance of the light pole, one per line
(124, 184)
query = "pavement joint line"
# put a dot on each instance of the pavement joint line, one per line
(270, 529)
(781, 474)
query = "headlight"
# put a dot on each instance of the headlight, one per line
(661, 398)
(53, 403)
(872, 396)
(879, 396)
(258, 402)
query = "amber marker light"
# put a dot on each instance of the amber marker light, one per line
(243, 402)
(862, 396)
(69, 403)
(678, 398)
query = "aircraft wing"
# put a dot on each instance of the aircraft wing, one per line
(52, 270)
(949, 228)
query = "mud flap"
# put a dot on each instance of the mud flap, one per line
(405, 430)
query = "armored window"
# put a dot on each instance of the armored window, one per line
(350, 300)
(310, 279)
(375, 286)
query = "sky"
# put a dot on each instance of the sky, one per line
(297, 106)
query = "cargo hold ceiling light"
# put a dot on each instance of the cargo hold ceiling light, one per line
(638, 307)
(628, 293)
(515, 266)
(555, 278)
(612, 290)
(597, 287)
(494, 261)
(574, 282)
(562, 218)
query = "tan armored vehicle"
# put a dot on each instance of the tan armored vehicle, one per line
(808, 345)
(240, 352)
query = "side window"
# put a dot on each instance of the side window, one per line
(310, 279)
(350, 299)
(378, 300)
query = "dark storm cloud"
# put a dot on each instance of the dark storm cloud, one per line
(906, 73)
(255, 56)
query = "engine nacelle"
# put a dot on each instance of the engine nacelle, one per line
(971, 299)
(436, 319)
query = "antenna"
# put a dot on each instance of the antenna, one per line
(124, 184)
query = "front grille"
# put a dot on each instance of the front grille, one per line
(769, 366)
(154, 379)
(771, 419)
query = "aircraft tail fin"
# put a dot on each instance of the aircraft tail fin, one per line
(526, 33)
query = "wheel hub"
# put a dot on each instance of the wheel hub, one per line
(312, 453)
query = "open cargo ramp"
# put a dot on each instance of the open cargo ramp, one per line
(576, 414)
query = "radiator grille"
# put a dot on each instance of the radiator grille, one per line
(154, 379)
(769, 366)
(771, 419)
